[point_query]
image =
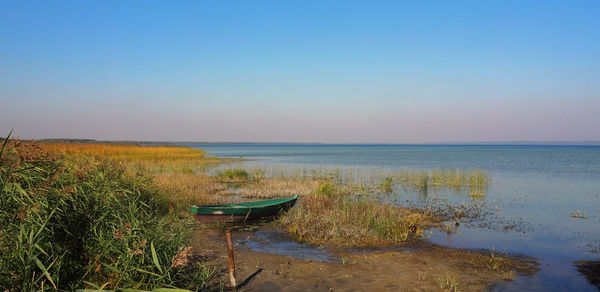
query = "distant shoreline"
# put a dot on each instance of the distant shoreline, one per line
(499, 143)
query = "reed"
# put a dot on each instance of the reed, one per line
(153, 159)
(449, 282)
(183, 190)
(443, 178)
(126, 152)
(86, 222)
(473, 183)
(276, 187)
(333, 215)
(233, 175)
(387, 184)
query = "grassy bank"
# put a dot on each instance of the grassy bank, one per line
(87, 221)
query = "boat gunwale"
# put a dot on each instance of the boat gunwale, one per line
(267, 203)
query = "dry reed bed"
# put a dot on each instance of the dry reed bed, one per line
(151, 159)
(130, 153)
(276, 187)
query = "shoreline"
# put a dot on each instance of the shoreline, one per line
(417, 266)
(180, 176)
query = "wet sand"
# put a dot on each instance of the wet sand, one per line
(418, 266)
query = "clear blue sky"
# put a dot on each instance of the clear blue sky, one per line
(322, 71)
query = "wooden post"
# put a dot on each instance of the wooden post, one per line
(231, 259)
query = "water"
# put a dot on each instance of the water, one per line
(269, 240)
(538, 186)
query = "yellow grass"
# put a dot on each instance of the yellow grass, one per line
(130, 153)
(277, 187)
(154, 159)
(184, 190)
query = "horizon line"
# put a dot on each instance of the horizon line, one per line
(491, 143)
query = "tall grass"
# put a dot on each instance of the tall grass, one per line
(233, 175)
(153, 159)
(86, 222)
(183, 190)
(473, 182)
(422, 180)
(333, 215)
(125, 152)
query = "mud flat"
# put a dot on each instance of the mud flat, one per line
(415, 266)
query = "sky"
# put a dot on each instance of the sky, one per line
(301, 71)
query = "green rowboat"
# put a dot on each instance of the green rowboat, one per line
(243, 211)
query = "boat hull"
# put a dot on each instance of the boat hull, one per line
(243, 211)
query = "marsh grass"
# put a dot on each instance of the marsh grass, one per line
(387, 184)
(342, 208)
(475, 181)
(184, 190)
(497, 262)
(179, 172)
(449, 282)
(233, 175)
(275, 187)
(332, 215)
(129, 153)
(152, 159)
(85, 222)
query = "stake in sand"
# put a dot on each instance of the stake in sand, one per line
(231, 259)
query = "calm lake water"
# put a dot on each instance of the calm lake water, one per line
(537, 188)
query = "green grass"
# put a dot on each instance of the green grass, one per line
(475, 182)
(86, 222)
(327, 189)
(231, 175)
(387, 184)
